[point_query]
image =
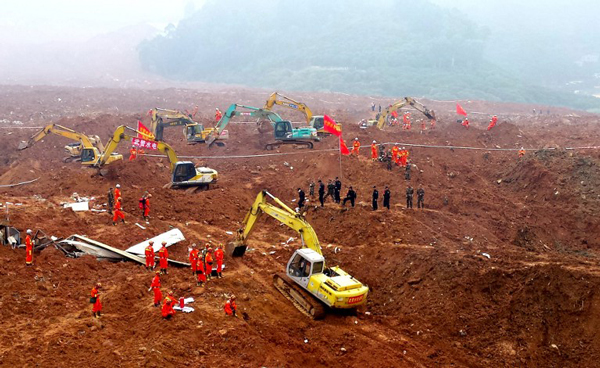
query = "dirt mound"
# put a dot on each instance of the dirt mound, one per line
(501, 267)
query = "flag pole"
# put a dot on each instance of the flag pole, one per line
(340, 154)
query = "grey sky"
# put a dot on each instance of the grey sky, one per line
(44, 20)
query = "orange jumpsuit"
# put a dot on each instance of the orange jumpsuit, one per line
(406, 121)
(355, 147)
(432, 123)
(28, 250)
(132, 154)
(194, 259)
(167, 308)
(200, 270)
(395, 151)
(219, 255)
(147, 209)
(218, 116)
(373, 151)
(97, 307)
(163, 254)
(118, 213)
(492, 122)
(404, 158)
(156, 289)
(521, 153)
(117, 194)
(230, 307)
(209, 262)
(149, 256)
(465, 123)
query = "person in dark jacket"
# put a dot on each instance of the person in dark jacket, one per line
(350, 196)
(321, 192)
(301, 198)
(375, 198)
(409, 196)
(386, 198)
(420, 197)
(337, 190)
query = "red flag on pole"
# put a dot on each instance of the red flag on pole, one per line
(460, 110)
(144, 132)
(343, 148)
(331, 127)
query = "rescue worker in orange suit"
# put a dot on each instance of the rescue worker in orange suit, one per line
(28, 248)
(406, 120)
(167, 309)
(230, 307)
(432, 121)
(218, 115)
(219, 255)
(194, 258)
(117, 192)
(209, 263)
(118, 213)
(200, 275)
(155, 286)
(374, 151)
(465, 123)
(395, 152)
(492, 122)
(521, 152)
(132, 153)
(145, 205)
(149, 252)
(163, 254)
(355, 147)
(95, 300)
(403, 157)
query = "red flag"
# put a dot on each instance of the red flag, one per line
(460, 110)
(343, 148)
(144, 132)
(331, 127)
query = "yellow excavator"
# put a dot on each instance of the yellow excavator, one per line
(308, 283)
(184, 173)
(74, 150)
(406, 101)
(314, 121)
(194, 132)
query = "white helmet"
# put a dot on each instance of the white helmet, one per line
(29, 231)
(374, 142)
(356, 138)
(118, 186)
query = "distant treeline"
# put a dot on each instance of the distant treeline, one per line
(378, 47)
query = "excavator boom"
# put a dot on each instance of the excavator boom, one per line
(281, 100)
(58, 130)
(430, 114)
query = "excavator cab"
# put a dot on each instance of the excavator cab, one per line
(303, 264)
(184, 171)
(317, 122)
(89, 156)
(283, 130)
(193, 133)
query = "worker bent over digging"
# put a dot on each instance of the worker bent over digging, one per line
(95, 301)
(167, 309)
(118, 213)
(155, 286)
(230, 307)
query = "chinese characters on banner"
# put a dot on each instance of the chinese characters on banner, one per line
(142, 143)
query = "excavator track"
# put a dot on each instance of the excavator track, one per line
(301, 299)
(275, 145)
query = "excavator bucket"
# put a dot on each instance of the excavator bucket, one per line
(23, 145)
(235, 249)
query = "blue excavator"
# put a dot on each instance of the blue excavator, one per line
(283, 132)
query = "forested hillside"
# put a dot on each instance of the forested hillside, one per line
(383, 47)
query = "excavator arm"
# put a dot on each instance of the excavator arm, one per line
(58, 130)
(164, 117)
(232, 111)
(430, 114)
(282, 213)
(281, 100)
(127, 133)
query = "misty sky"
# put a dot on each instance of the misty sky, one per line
(35, 21)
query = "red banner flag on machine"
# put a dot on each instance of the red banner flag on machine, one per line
(330, 126)
(144, 132)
